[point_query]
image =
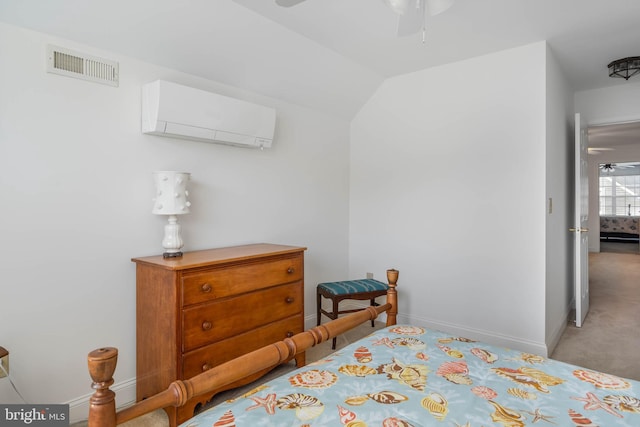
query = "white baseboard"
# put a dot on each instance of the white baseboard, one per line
(559, 330)
(309, 322)
(555, 336)
(125, 396)
(477, 334)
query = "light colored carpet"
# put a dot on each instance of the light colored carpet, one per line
(620, 247)
(608, 340)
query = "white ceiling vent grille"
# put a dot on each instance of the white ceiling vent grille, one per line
(81, 66)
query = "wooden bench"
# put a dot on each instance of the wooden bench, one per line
(363, 289)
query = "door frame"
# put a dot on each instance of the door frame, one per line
(580, 227)
(605, 157)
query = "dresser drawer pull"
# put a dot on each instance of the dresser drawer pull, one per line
(289, 300)
(206, 367)
(290, 334)
(206, 325)
(291, 270)
(206, 288)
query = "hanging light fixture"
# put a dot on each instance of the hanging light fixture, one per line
(625, 67)
(413, 14)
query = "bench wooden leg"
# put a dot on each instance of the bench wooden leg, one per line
(373, 303)
(318, 306)
(335, 301)
(335, 316)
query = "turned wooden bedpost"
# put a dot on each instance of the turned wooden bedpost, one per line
(102, 404)
(102, 365)
(392, 296)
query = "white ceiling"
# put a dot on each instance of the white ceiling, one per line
(614, 135)
(333, 54)
(585, 35)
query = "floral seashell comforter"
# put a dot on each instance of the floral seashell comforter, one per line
(410, 376)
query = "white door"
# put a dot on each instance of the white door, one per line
(580, 230)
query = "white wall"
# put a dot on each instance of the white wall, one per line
(610, 104)
(605, 106)
(559, 202)
(76, 189)
(448, 186)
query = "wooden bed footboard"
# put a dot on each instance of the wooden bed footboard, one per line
(102, 365)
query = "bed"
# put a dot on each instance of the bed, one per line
(619, 228)
(402, 375)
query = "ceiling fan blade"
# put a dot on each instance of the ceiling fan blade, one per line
(598, 150)
(288, 3)
(436, 7)
(398, 6)
(410, 23)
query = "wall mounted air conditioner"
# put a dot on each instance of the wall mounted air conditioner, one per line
(173, 110)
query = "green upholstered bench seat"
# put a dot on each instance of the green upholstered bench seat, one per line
(353, 286)
(363, 289)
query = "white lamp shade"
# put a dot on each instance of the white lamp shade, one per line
(171, 193)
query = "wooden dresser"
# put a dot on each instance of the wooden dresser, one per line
(211, 306)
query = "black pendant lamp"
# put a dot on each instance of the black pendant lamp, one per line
(625, 67)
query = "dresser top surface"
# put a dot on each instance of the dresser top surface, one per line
(219, 255)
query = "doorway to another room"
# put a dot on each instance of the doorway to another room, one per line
(619, 207)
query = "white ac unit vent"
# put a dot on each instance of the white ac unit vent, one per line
(176, 111)
(79, 65)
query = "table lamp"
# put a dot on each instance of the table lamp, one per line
(171, 200)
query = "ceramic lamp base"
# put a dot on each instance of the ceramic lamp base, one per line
(172, 241)
(172, 255)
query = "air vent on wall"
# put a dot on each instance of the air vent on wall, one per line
(69, 63)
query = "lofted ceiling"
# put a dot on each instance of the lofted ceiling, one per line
(333, 54)
(585, 35)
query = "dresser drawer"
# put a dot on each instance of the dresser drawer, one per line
(204, 358)
(224, 318)
(215, 283)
